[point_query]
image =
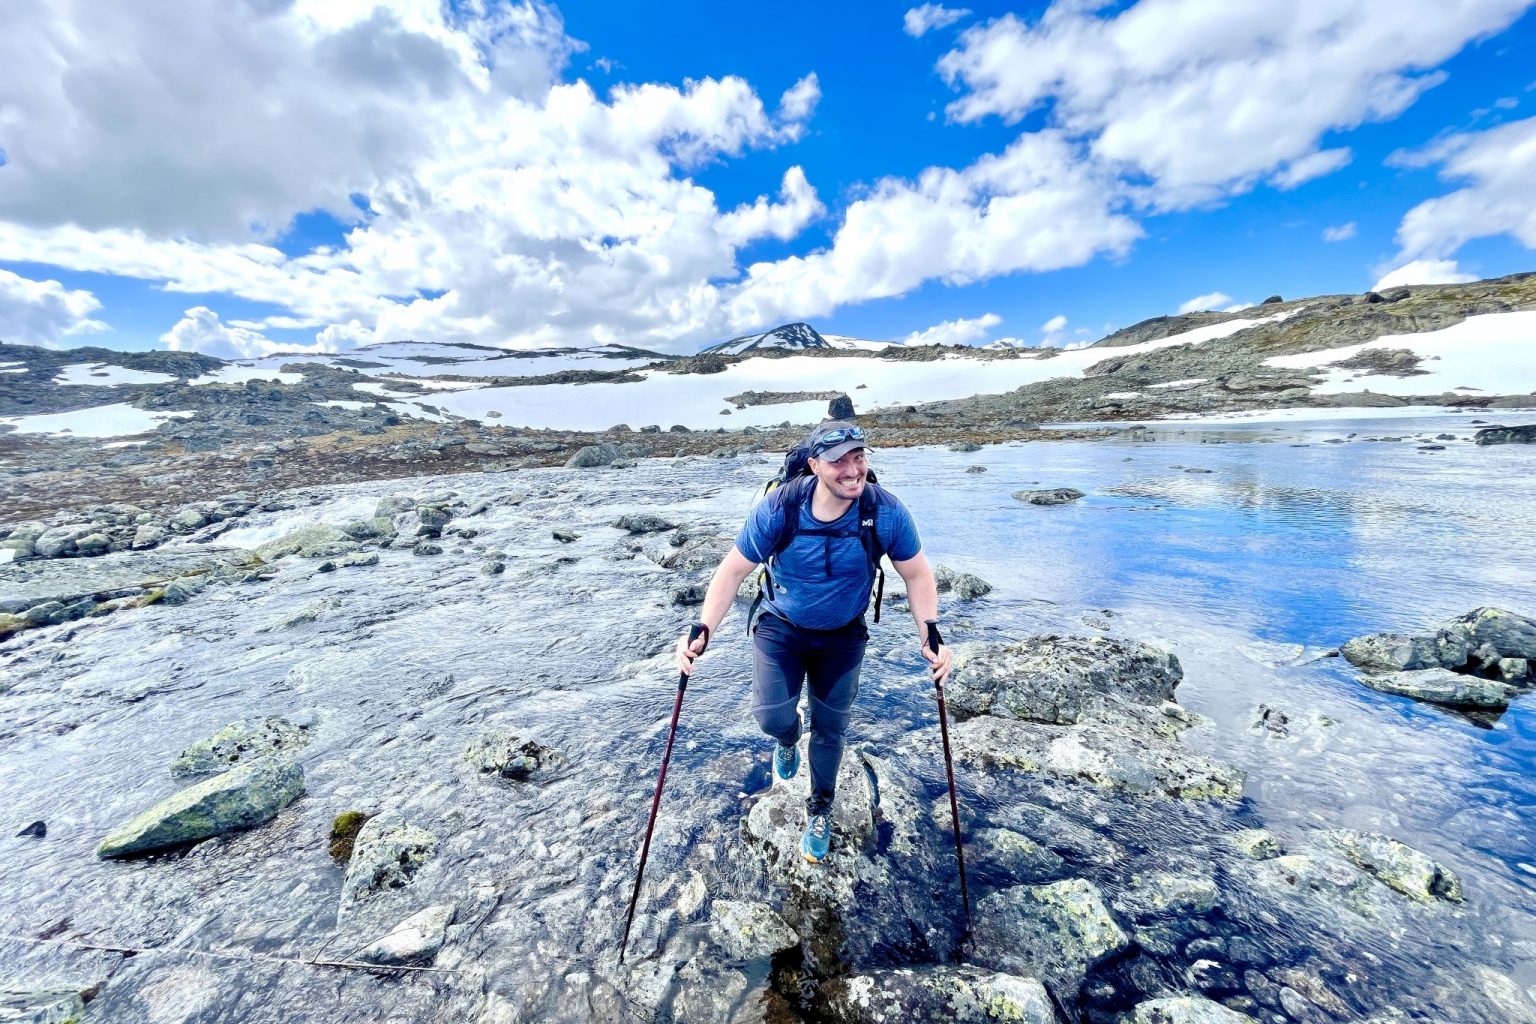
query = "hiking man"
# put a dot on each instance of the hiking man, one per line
(838, 522)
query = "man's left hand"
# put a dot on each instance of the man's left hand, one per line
(938, 664)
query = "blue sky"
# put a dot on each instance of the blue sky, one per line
(522, 174)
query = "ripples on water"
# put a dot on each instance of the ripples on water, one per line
(1245, 572)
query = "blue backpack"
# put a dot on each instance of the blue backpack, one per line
(789, 490)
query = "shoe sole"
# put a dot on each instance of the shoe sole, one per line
(811, 860)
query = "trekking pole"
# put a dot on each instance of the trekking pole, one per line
(934, 640)
(645, 850)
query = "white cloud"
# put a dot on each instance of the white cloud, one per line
(781, 220)
(799, 101)
(1205, 100)
(1424, 272)
(1498, 166)
(200, 330)
(340, 337)
(44, 312)
(1036, 206)
(921, 20)
(1339, 232)
(1212, 300)
(1313, 165)
(1055, 325)
(955, 332)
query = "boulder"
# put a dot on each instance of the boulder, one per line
(242, 798)
(511, 755)
(963, 585)
(314, 540)
(1057, 679)
(1061, 931)
(644, 523)
(386, 855)
(1187, 1010)
(750, 931)
(1506, 633)
(1014, 854)
(1399, 866)
(961, 995)
(1049, 496)
(1394, 652)
(594, 455)
(1438, 686)
(239, 741)
(41, 1006)
(1256, 843)
(1525, 434)
(415, 940)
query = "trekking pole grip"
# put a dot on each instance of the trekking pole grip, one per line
(935, 641)
(695, 631)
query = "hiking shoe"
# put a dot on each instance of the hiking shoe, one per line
(817, 839)
(786, 761)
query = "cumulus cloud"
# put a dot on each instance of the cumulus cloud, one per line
(1424, 272)
(1055, 325)
(782, 220)
(1497, 167)
(799, 101)
(1339, 232)
(921, 20)
(955, 332)
(200, 330)
(1035, 206)
(44, 312)
(1205, 100)
(1209, 301)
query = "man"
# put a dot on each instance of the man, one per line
(812, 627)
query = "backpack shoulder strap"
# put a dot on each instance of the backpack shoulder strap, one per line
(791, 496)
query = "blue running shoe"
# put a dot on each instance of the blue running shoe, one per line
(786, 761)
(817, 839)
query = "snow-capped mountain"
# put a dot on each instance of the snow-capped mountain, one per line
(796, 337)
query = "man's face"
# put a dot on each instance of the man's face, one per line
(844, 478)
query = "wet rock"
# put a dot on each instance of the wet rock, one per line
(386, 855)
(964, 995)
(644, 522)
(1399, 866)
(1442, 687)
(1014, 854)
(1169, 894)
(36, 830)
(314, 541)
(594, 456)
(1393, 652)
(1525, 434)
(148, 536)
(1508, 634)
(1060, 930)
(965, 446)
(511, 755)
(431, 519)
(1058, 678)
(975, 469)
(1256, 843)
(311, 612)
(748, 931)
(41, 1006)
(1049, 496)
(566, 536)
(239, 741)
(1187, 1010)
(708, 994)
(426, 548)
(1119, 760)
(416, 940)
(180, 591)
(239, 799)
(963, 585)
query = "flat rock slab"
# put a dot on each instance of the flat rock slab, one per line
(963, 995)
(1054, 678)
(750, 931)
(25, 584)
(386, 854)
(1128, 762)
(1049, 496)
(1187, 1010)
(1059, 930)
(41, 1006)
(1439, 686)
(416, 940)
(239, 741)
(1397, 865)
(239, 799)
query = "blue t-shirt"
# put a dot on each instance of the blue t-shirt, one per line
(804, 591)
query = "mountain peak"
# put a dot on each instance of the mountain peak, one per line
(795, 336)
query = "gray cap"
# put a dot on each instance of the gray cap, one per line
(846, 438)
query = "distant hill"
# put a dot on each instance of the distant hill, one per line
(792, 337)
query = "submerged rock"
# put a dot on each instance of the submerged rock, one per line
(42, 1006)
(242, 798)
(1187, 1010)
(415, 940)
(511, 755)
(1060, 930)
(1057, 678)
(963, 995)
(1049, 496)
(1397, 865)
(386, 855)
(315, 540)
(238, 741)
(748, 931)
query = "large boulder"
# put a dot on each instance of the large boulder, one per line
(1060, 931)
(242, 798)
(1059, 678)
(594, 456)
(1506, 634)
(1397, 865)
(312, 541)
(960, 995)
(1394, 652)
(1440, 686)
(1525, 434)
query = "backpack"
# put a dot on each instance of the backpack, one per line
(791, 488)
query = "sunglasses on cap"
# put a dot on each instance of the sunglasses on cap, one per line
(833, 438)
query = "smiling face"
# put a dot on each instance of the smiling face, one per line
(845, 478)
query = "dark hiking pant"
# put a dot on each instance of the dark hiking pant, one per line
(784, 656)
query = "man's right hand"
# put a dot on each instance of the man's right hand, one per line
(686, 652)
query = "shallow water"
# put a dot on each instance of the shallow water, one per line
(1246, 572)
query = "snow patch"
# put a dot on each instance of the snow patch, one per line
(117, 420)
(108, 375)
